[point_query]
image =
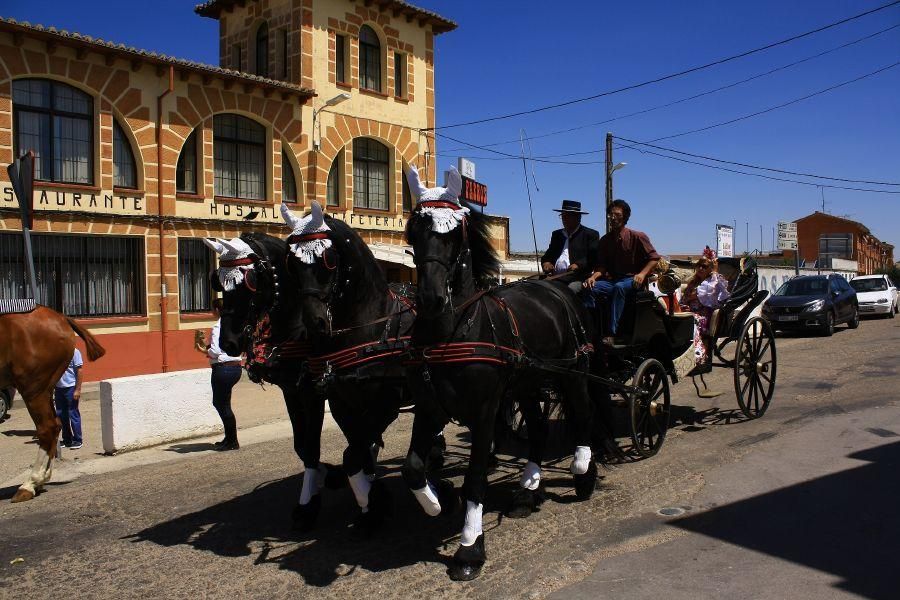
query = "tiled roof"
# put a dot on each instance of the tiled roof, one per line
(212, 8)
(131, 53)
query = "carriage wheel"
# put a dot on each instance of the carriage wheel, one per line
(755, 368)
(649, 408)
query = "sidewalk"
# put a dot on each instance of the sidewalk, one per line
(260, 413)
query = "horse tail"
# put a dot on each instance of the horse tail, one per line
(94, 349)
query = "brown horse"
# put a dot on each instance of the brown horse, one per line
(35, 350)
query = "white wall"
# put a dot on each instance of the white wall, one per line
(771, 278)
(147, 410)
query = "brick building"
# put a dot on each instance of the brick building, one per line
(821, 236)
(141, 155)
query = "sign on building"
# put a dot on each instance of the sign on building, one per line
(787, 235)
(466, 168)
(724, 240)
(474, 192)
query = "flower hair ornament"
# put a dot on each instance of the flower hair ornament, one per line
(709, 253)
(309, 235)
(439, 203)
(234, 260)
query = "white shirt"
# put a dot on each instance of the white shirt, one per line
(562, 263)
(215, 353)
(713, 291)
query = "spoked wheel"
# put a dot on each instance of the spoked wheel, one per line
(755, 368)
(649, 407)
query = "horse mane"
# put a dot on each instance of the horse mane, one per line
(345, 237)
(485, 263)
(273, 246)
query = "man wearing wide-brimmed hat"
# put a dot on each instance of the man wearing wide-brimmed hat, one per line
(572, 248)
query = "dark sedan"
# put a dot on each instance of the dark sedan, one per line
(6, 398)
(816, 302)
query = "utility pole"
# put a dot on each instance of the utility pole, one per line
(609, 173)
(760, 240)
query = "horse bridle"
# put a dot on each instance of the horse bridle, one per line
(451, 269)
(261, 267)
(335, 290)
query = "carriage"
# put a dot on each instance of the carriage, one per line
(655, 347)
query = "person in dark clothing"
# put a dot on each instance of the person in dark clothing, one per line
(624, 260)
(226, 372)
(573, 248)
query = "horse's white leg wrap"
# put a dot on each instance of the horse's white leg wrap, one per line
(531, 476)
(582, 460)
(361, 485)
(429, 500)
(374, 449)
(41, 470)
(472, 528)
(310, 485)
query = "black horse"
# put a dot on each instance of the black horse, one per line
(474, 345)
(261, 318)
(360, 329)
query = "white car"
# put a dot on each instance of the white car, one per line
(877, 295)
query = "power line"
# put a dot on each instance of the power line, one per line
(708, 166)
(749, 166)
(777, 107)
(673, 75)
(514, 157)
(695, 96)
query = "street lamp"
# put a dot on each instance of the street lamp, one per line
(328, 104)
(617, 167)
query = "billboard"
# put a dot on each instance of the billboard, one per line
(724, 240)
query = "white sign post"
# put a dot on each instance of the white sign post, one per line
(724, 241)
(787, 236)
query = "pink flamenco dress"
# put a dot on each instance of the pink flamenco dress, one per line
(709, 295)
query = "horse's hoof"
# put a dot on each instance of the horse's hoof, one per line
(305, 515)
(448, 497)
(467, 561)
(335, 478)
(586, 483)
(524, 502)
(22, 495)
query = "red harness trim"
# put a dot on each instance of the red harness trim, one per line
(358, 355)
(306, 237)
(466, 352)
(237, 262)
(440, 204)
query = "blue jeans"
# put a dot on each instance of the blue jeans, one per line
(617, 291)
(69, 415)
(223, 378)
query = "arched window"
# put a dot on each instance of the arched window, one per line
(369, 59)
(370, 174)
(288, 183)
(333, 194)
(124, 171)
(239, 147)
(186, 172)
(262, 50)
(56, 121)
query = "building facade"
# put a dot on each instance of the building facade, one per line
(139, 156)
(822, 237)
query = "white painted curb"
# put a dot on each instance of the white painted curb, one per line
(148, 410)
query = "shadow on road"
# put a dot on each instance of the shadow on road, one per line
(846, 524)
(189, 448)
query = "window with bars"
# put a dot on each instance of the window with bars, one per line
(369, 59)
(333, 193)
(239, 148)
(370, 174)
(288, 182)
(262, 50)
(56, 122)
(78, 275)
(340, 57)
(195, 261)
(285, 65)
(124, 171)
(399, 75)
(186, 170)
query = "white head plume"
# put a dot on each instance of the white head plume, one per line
(449, 193)
(214, 245)
(314, 222)
(234, 249)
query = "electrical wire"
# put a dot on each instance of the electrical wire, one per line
(671, 75)
(708, 166)
(749, 166)
(777, 107)
(695, 96)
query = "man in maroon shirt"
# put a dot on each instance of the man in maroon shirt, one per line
(625, 259)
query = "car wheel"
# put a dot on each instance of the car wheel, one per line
(892, 312)
(853, 323)
(5, 402)
(828, 327)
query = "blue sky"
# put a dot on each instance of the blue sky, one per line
(510, 56)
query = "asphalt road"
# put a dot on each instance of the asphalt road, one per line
(798, 504)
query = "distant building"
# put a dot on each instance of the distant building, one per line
(822, 237)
